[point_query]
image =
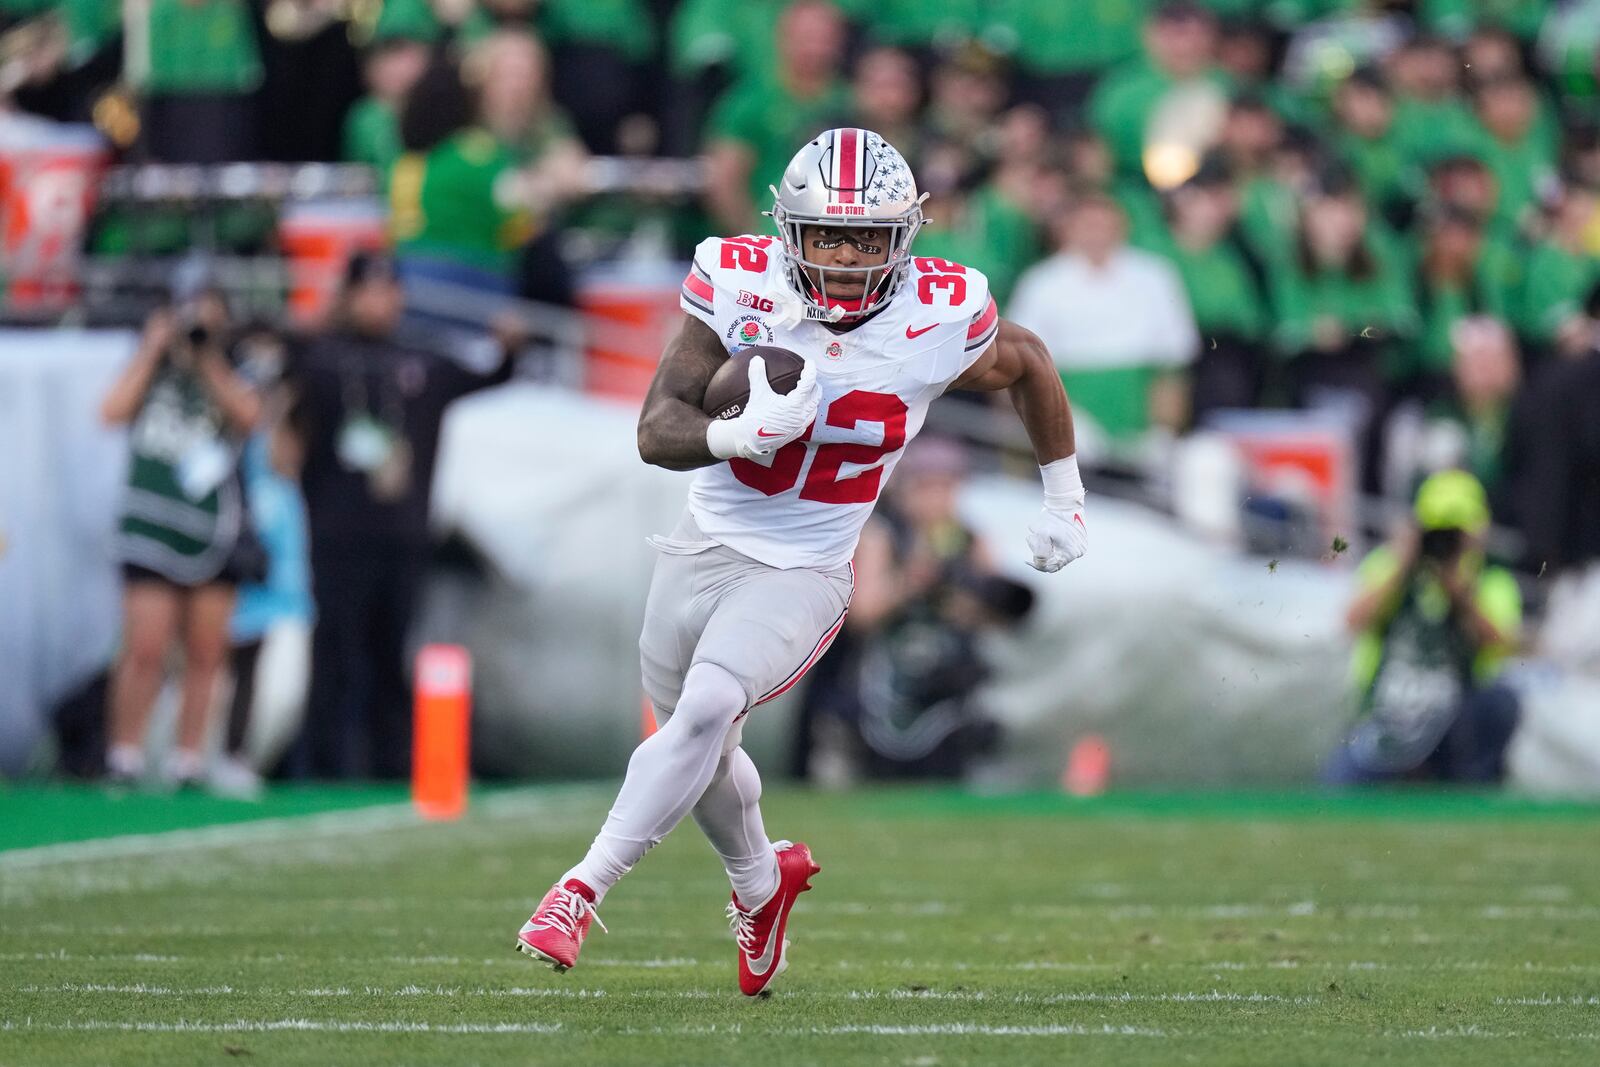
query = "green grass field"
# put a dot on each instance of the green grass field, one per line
(944, 929)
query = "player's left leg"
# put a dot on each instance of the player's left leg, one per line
(667, 775)
(729, 814)
(773, 625)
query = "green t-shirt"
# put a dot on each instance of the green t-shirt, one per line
(771, 123)
(408, 20)
(1269, 213)
(1498, 598)
(1386, 176)
(1556, 285)
(739, 33)
(1381, 302)
(622, 24)
(1070, 36)
(1117, 398)
(372, 134)
(1222, 290)
(90, 24)
(918, 23)
(1520, 168)
(1457, 18)
(202, 46)
(443, 204)
(1426, 132)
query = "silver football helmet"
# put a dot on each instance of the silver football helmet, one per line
(847, 178)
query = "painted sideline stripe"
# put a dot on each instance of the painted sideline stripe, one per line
(299, 828)
(127, 846)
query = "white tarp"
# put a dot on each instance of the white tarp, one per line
(1195, 664)
(61, 477)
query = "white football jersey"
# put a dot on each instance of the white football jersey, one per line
(804, 505)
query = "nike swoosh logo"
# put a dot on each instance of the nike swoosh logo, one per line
(914, 334)
(762, 964)
(762, 432)
(1079, 520)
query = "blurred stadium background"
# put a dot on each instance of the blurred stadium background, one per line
(1292, 256)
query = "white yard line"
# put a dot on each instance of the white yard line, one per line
(334, 1026)
(955, 1029)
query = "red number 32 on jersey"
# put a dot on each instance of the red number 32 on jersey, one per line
(824, 482)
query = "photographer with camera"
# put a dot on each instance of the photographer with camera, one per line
(1434, 624)
(897, 697)
(184, 538)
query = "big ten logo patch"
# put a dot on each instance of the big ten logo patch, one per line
(747, 299)
(749, 330)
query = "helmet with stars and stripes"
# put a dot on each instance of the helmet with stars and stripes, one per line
(847, 179)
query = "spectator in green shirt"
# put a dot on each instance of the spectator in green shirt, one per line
(762, 121)
(1223, 290)
(714, 44)
(967, 92)
(452, 216)
(982, 218)
(1344, 308)
(1563, 270)
(601, 51)
(1271, 165)
(1062, 47)
(1430, 121)
(1434, 625)
(1455, 19)
(1516, 141)
(1363, 136)
(1456, 278)
(395, 59)
(1180, 41)
(1246, 54)
(1468, 425)
(201, 65)
(510, 71)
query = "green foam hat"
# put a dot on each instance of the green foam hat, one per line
(1452, 500)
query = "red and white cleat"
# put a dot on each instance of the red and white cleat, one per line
(556, 931)
(763, 950)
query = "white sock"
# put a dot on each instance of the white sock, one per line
(185, 765)
(667, 774)
(126, 760)
(730, 816)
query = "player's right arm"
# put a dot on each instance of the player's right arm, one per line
(672, 427)
(674, 431)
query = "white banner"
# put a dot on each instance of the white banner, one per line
(61, 478)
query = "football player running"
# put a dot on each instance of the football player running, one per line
(753, 584)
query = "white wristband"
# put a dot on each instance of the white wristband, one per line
(1063, 485)
(721, 438)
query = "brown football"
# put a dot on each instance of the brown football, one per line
(729, 389)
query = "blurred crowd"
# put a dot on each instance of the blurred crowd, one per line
(1385, 208)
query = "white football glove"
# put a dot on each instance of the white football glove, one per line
(1058, 536)
(769, 420)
